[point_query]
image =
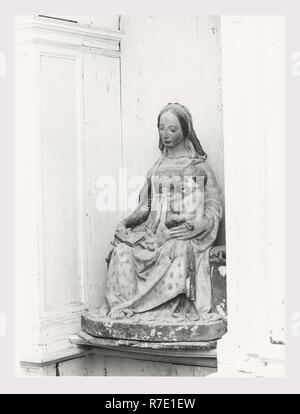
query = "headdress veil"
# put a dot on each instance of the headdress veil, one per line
(185, 119)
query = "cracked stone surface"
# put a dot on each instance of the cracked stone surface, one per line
(210, 328)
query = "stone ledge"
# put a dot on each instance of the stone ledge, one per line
(153, 331)
(202, 354)
(53, 358)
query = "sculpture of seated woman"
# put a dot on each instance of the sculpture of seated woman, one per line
(159, 267)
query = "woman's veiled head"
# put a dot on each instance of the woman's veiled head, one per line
(184, 118)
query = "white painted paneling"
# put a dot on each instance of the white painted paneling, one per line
(275, 182)
(61, 176)
(77, 367)
(101, 364)
(253, 84)
(171, 59)
(103, 157)
(65, 141)
(26, 206)
(49, 371)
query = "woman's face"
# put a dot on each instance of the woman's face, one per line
(170, 130)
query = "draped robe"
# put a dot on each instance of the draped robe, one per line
(169, 276)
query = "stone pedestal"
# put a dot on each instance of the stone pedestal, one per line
(211, 329)
(139, 347)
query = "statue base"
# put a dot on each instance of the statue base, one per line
(123, 357)
(210, 328)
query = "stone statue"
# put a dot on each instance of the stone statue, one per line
(159, 270)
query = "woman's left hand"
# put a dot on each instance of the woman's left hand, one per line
(189, 230)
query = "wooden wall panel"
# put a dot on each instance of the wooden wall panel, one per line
(27, 191)
(77, 367)
(103, 159)
(100, 365)
(47, 371)
(60, 181)
(253, 86)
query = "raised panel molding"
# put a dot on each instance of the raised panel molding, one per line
(42, 31)
(60, 178)
(102, 130)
